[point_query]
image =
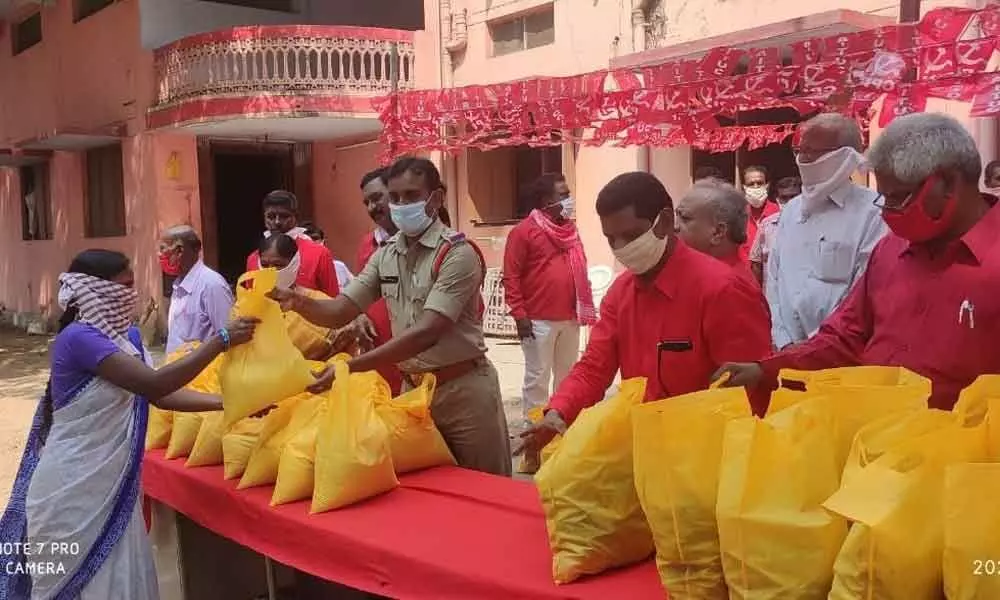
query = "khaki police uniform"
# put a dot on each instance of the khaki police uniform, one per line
(467, 406)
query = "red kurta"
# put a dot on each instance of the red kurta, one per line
(938, 316)
(695, 298)
(379, 313)
(316, 270)
(537, 278)
(753, 224)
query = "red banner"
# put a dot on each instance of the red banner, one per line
(675, 103)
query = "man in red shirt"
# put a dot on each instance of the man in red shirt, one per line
(673, 317)
(757, 192)
(928, 300)
(316, 270)
(374, 326)
(546, 287)
(712, 218)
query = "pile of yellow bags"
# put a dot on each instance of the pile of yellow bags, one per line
(591, 509)
(849, 489)
(776, 473)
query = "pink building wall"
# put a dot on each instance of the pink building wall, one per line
(93, 77)
(337, 173)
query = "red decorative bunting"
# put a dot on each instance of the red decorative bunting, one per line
(674, 103)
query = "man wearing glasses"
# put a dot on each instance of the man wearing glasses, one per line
(825, 235)
(928, 300)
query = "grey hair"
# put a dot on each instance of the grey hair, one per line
(186, 235)
(914, 147)
(728, 205)
(846, 128)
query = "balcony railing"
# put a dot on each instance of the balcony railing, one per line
(286, 60)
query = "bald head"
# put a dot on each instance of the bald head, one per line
(826, 133)
(183, 235)
(180, 249)
(712, 218)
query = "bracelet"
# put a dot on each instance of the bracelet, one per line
(224, 334)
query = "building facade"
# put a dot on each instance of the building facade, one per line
(490, 41)
(120, 118)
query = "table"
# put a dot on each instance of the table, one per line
(444, 533)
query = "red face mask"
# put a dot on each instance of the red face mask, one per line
(913, 224)
(168, 265)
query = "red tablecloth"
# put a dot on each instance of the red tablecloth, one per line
(444, 533)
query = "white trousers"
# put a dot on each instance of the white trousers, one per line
(549, 356)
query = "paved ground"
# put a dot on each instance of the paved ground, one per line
(24, 371)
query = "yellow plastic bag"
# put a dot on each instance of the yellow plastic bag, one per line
(158, 429)
(184, 433)
(972, 531)
(860, 395)
(678, 449)
(980, 403)
(207, 448)
(777, 540)
(883, 435)
(269, 368)
(278, 427)
(237, 444)
(894, 547)
(297, 466)
(415, 441)
(592, 513)
(353, 453)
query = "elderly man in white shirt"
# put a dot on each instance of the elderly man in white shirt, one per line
(201, 300)
(825, 235)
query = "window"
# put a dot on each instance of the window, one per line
(27, 33)
(105, 192)
(84, 8)
(499, 178)
(36, 204)
(277, 5)
(527, 31)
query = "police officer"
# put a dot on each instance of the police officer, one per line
(430, 276)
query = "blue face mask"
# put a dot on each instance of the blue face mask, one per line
(411, 219)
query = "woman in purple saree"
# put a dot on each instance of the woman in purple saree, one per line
(74, 525)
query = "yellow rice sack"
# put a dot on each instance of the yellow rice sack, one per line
(415, 441)
(184, 433)
(353, 456)
(161, 423)
(278, 427)
(237, 444)
(207, 449)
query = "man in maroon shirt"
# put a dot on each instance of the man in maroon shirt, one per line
(674, 317)
(928, 300)
(316, 270)
(546, 287)
(712, 218)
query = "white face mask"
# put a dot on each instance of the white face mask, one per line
(411, 219)
(641, 254)
(288, 275)
(567, 207)
(824, 175)
(756, 196)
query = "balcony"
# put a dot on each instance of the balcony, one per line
(296, 83)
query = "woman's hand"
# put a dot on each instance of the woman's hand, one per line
(324, 380)
(241, 330)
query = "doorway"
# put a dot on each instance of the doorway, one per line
(235, 177)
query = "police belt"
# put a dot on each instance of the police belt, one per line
(447, 373)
